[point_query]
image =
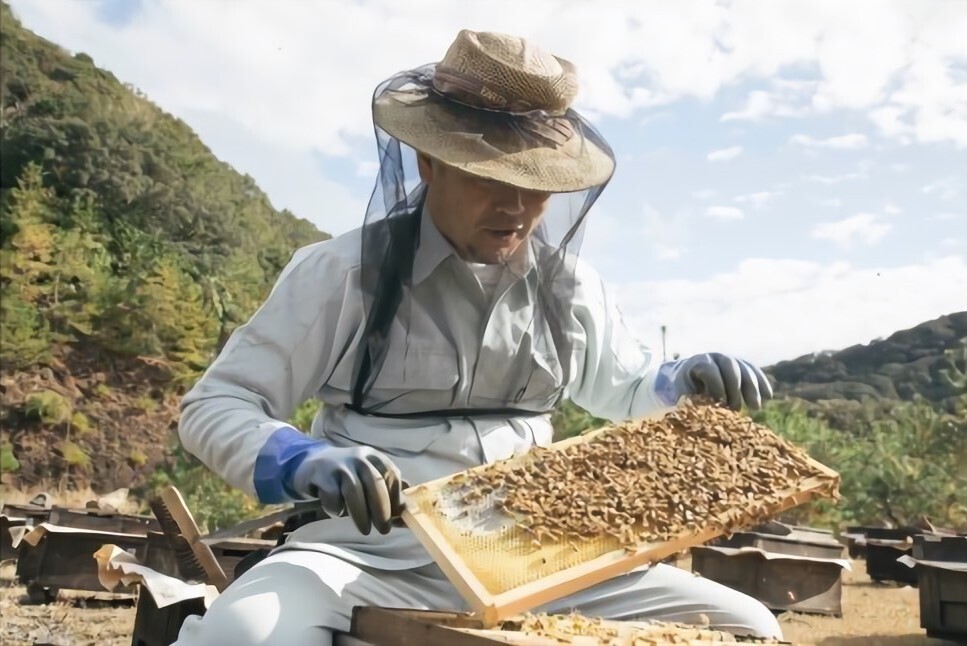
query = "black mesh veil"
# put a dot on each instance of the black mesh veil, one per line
(391, 230)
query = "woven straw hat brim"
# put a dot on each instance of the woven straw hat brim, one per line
(477, 144)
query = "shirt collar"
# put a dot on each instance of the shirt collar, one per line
(434, 249)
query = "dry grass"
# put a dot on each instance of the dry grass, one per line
(874, 614)
(76, 617)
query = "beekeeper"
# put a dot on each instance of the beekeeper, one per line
(439, 336)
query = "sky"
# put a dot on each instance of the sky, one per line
(791, 178)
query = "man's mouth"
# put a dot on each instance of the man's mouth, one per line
(504, 234)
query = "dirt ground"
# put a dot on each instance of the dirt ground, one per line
(874, 614)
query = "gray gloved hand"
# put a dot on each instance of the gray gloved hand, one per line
(720, 377)
(357, 481)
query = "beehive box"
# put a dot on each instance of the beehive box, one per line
(161, 556)
(107, 521)
(391, 627)
(793, 540)
(883, 547)
(64, 559)
(154, 626)
(810, 582)
(942, 576)
(532, 529)
(855, 542)
(32, 514)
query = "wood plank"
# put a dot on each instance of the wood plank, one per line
(388, 627)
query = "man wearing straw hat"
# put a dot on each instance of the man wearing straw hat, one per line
(439, 336)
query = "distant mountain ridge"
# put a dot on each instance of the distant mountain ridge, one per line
(908, 364)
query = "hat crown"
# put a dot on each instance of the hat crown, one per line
(501, 72)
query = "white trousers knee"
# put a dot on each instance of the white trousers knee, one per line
(300, 597)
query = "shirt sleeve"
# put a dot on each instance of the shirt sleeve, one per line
(615, 374)
(268, 367)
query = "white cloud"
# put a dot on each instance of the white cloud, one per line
(864, 228)
(892, 209)
(785, 99)
(724, 213)
(704, 194)
(947, 216)
(758, 199)
(832, 179)
(833, 202)
(952, 242)
(724, 154)
(843, 142)
(946, 188)
(299, 76)
(765, 309)
(667, 253)
(367, 169)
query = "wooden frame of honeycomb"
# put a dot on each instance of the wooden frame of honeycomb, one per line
(535, 528)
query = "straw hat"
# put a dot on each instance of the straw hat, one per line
(498, 107)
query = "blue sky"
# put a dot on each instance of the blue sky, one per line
(792, 176)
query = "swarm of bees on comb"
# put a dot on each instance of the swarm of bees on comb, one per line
(700, 466)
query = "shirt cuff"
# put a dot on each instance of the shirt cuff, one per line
(277, 461)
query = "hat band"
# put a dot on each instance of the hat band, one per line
(470, 90)
(473, 93)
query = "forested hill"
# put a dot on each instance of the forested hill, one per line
(905, 365)
(129, 253)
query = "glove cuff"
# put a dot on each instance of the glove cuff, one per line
(668, 387)
(277, 461)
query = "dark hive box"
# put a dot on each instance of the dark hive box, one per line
(883, 548)
(811, 584)
(154, 626)
(942, 573)
(66, 560)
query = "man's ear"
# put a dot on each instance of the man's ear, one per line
(425, 165)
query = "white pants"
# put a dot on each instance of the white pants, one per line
(300, 597)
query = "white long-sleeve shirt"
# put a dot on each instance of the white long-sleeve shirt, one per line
(451, 346)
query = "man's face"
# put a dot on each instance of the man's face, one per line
(484, 220)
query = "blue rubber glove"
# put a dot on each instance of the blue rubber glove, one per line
(721, 377)
(357, 481)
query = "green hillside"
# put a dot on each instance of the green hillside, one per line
(129, 253)
(918, 364)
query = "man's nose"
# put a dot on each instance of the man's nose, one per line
(511, 201)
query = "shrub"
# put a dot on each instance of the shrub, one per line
(49, 407)
(80, 424)
(74, 455)
(8, 461)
